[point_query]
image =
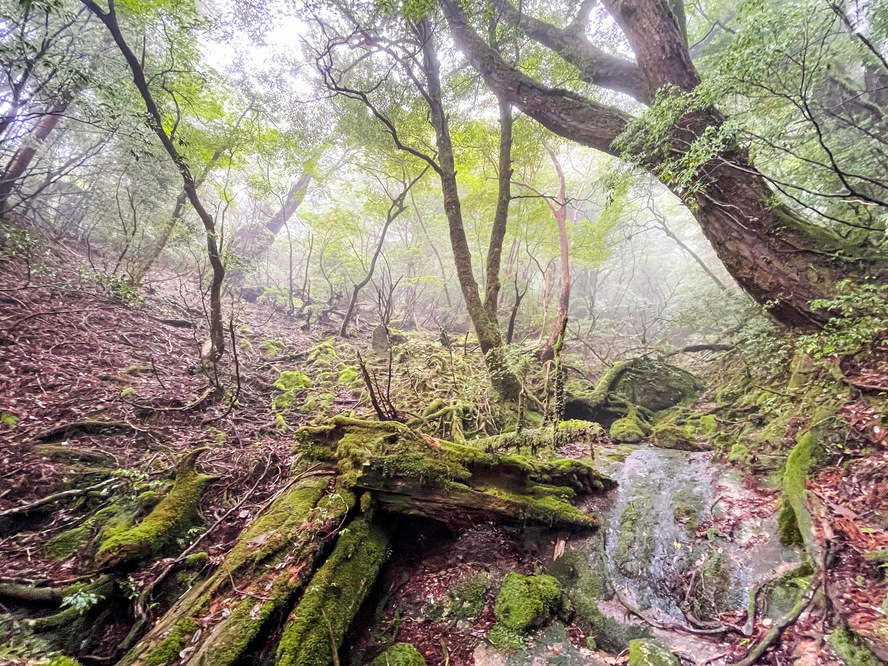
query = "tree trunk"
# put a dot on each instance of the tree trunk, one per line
(155, 121)
(559, 210)
(21, 158)
(504, 382)
(501, 217)
(772, 253)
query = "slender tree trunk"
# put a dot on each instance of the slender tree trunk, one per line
(490, 338)
(21, 158)
(559, 210)
(772, 253)
(397, 207)
(155, 121)
(501, 217)
(144, 266)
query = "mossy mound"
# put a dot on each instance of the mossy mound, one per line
(627, 430)
(522, 603)
(464, 600)
(672, 436)
(171, 518)
(400, 654)
(645, 652)
(317, 626)
(655, 385)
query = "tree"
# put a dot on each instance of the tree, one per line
(776, 255)
(155, 121)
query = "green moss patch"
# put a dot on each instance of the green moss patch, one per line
(400, 654)
(317, 625)
(522, 603)
(170, 519)
(168, 651)
(850, 649)
(645, 652)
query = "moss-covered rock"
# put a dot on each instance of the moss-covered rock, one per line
(646, 652)
(654, 385)
(850, 649)
(796, 525)
(627, 430)
(171, 518)
(465, 599)
(169, 649)
(317, 625)
(672, 436)
(400, 654)
(522, 603)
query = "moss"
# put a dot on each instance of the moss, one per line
(634, 549)
(739, 454)
(876, 556)
(672, 436)
(523, 602)
(795, 521)
(713, 585)
(66, 544)
(317, 625)
(292, 380)
(195, 560)
(591, 643)
(63, 661)
(644, 652)
(850, 649)
(577, 430)
(686, 514)
(170, 519)
(465, 600)
(708, 425)
(9, 420)
(787, 590)
(168, 651)
(400, 654)
(245, 345)
(272, 347)
(504, 638)
(627, 430)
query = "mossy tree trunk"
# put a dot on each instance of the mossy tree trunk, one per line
(483, 316)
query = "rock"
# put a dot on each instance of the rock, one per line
(486, 655)
(655, 385)
(644, 652)
(384, 338)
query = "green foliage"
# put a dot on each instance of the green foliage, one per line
(9, 420)
(862, 316)
(850, 648)
(81, 600)
(290, 383)
(121, 289)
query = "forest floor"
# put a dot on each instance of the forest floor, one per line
(89, 379)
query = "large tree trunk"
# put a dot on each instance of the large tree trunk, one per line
(773, 254)
(21, 158)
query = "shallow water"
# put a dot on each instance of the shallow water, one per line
(660, 487)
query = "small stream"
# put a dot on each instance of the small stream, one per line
(674, 515)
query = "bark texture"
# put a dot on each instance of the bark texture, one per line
(776, 256)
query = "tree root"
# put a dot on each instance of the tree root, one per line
(779, 627)
(55, 497)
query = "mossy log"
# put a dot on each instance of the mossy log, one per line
(317, 626)
(170, 519)
(452, 483)
(257, 581)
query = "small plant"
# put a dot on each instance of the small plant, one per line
(861, 315)
(121, 289)
(81, 600)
